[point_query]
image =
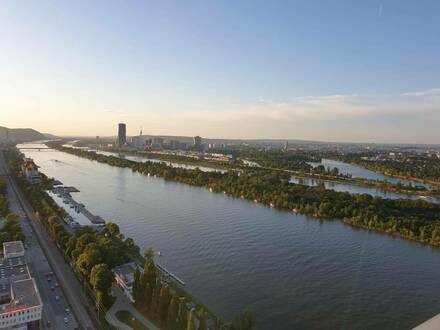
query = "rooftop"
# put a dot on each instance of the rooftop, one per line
(24, 295)
(125, 271)
(13, 249)
(17, 289)
(12, 267)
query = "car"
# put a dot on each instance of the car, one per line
(66, 320)
(56, 285)
(57, 298)
(52, 288)
(48, 324)
(67, 311)
(51, 273)
(48, 279)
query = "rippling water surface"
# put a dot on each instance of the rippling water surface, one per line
(294, 272)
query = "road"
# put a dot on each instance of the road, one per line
(44, 257)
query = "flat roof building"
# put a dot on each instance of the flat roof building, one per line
(20, 302)
(13, 249)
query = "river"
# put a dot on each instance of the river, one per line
(294, 272)
(360, 172)
(334, 185)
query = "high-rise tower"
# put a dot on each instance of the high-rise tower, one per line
(122, 135)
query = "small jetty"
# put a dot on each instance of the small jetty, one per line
(168, 274)
(56, 182)
(65, 194)
(62, 190)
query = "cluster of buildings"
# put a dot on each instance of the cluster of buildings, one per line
(20, 303)
(144, 142)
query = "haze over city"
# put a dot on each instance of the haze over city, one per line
(330, 71)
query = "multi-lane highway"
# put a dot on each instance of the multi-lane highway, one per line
(65, 305)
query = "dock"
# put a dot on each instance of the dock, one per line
(167, 273)
(95, 219)
(64, 190)
(65, 194)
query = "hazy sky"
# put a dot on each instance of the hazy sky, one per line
(322, 70)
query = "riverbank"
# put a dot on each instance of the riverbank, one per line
(417, 220)
(390, 174)
(121, 249)
(387, 186)
(343, 179)
(235, 254)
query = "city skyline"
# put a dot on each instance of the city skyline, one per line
(327, 72)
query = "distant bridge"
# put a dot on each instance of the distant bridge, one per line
(33, 148)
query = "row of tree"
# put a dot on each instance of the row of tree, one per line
(93, 254)
(11, 230)
(158, 301)
(416, 220)
(4, 210)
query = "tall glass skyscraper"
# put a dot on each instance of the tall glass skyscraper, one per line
(122, 135)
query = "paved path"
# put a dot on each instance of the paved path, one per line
(66, 279)
(123, 304)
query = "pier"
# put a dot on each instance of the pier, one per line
(64, 193)
(167, 273)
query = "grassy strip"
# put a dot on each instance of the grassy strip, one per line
(128, 318)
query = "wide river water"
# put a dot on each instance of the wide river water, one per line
(294, 272)
(334, 185)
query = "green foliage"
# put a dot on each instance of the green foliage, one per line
(190, 321)
(11, 230)
(405, 218)
(280, 159)
(87, 260)
(245, 321)
(4, 210)
(202, 319)
(101, 278)
(173, 313)
(405, 164)
(92, 253)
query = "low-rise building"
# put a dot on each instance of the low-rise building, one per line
(124, 276)
(30, 171)
(13, 249)
(20, 302)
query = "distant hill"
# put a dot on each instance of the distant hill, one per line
(51, 136)
(20, 135)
